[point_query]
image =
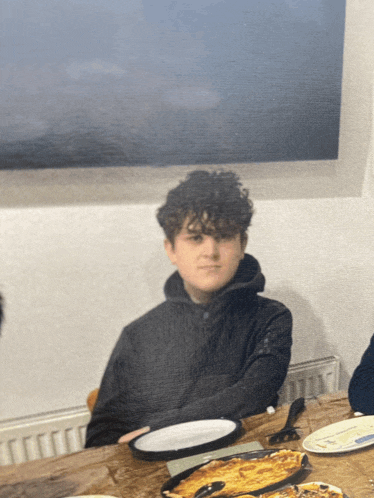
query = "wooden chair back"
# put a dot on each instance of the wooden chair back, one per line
(92, 398)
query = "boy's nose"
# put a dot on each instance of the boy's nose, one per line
(211, 247)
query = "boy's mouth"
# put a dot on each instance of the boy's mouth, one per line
(209, 267)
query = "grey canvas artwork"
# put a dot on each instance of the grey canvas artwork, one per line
(169, 82)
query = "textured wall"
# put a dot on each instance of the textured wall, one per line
(82, 255)
(74, 276)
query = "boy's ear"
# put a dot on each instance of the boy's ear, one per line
(169, 249)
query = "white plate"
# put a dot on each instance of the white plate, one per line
(279, 493)
(187, 435)
(186, 439)
(333, 488)
(347, 435)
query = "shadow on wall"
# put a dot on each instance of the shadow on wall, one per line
(309, 337)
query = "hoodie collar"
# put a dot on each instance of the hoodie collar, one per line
(248, 277)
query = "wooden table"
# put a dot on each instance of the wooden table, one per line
(112, 470)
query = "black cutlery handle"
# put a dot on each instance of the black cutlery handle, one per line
(209, 489)
(296, 408)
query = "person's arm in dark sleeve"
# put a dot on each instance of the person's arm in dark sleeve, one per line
(361, 386)
(106, 426)
(258, 387)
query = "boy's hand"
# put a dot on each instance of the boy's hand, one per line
(131, 435)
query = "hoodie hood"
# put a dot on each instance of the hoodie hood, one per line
(248, 278)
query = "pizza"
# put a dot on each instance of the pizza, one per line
(308, 490)
(240, 475)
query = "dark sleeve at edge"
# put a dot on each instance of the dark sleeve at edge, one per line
(361, 386)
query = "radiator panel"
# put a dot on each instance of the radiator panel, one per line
(310, 379)
(44, 435)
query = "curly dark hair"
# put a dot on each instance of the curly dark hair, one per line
(215, 202)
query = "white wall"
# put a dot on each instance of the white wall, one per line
(74, 276)
(71, 277)
(318, 257)
(74, 273)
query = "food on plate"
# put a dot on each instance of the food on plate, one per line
(308, 490)
(241, 475)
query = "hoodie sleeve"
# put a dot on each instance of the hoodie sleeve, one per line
(110, 417)
(123, 404)
(256, 389)
(361, 386)
(106, 425)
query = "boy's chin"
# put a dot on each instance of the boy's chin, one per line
(205, 291)
(213, 289)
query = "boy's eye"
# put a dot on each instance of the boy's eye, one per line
(196, 238)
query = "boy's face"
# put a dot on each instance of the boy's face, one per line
(206, 263)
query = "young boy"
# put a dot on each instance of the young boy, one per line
(214, 348)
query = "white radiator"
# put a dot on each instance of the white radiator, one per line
(62, 432)
(310, 379)
(39, 436)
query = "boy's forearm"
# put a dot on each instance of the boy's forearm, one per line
(101, 433)
(249, 396)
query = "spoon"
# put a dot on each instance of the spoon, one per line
(208, 489)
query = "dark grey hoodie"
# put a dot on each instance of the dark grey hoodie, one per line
(184, 361)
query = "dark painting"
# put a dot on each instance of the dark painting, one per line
(169, 82)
